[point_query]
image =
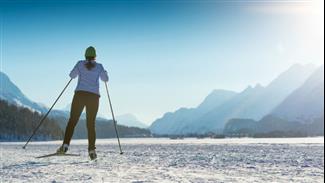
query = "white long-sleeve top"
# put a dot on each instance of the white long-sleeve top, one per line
(88, 80)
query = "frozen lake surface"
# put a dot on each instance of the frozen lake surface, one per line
(164, 160)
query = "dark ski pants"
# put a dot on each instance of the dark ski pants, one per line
(80, 100)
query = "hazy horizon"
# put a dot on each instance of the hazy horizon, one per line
(160, 56)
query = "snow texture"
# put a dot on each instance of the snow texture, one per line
(164, 160)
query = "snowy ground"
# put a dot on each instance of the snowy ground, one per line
(164, 160)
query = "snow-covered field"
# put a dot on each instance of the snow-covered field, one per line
(164, 160)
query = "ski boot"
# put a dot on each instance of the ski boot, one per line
(92, 154)
(63, 149)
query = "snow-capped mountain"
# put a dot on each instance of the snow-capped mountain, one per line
(11, 93)
(130, 120)
(306, 103)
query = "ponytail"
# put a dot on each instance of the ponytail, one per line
(90, 64)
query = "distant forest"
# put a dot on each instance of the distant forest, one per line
(104, 129)
(18, 123)
(272, 126)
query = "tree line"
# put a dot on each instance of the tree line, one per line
(18, 123)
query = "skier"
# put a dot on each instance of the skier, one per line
(86, 95)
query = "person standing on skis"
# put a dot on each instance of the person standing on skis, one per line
(86, 96)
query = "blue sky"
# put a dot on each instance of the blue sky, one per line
(160, 55)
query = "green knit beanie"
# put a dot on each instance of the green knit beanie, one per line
(90, 52)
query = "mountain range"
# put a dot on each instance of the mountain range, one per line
(294, 100)
(11, 93)
(299, 114)
(177, 122)
(252, 103)
(13, 99)
(306, 103)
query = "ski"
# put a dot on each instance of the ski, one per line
(57, 154)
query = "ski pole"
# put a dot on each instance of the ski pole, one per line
(44, 117)
(114, 121)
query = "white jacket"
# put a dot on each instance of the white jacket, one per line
(88, 80)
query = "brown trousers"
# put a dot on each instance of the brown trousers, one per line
(80, 100)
